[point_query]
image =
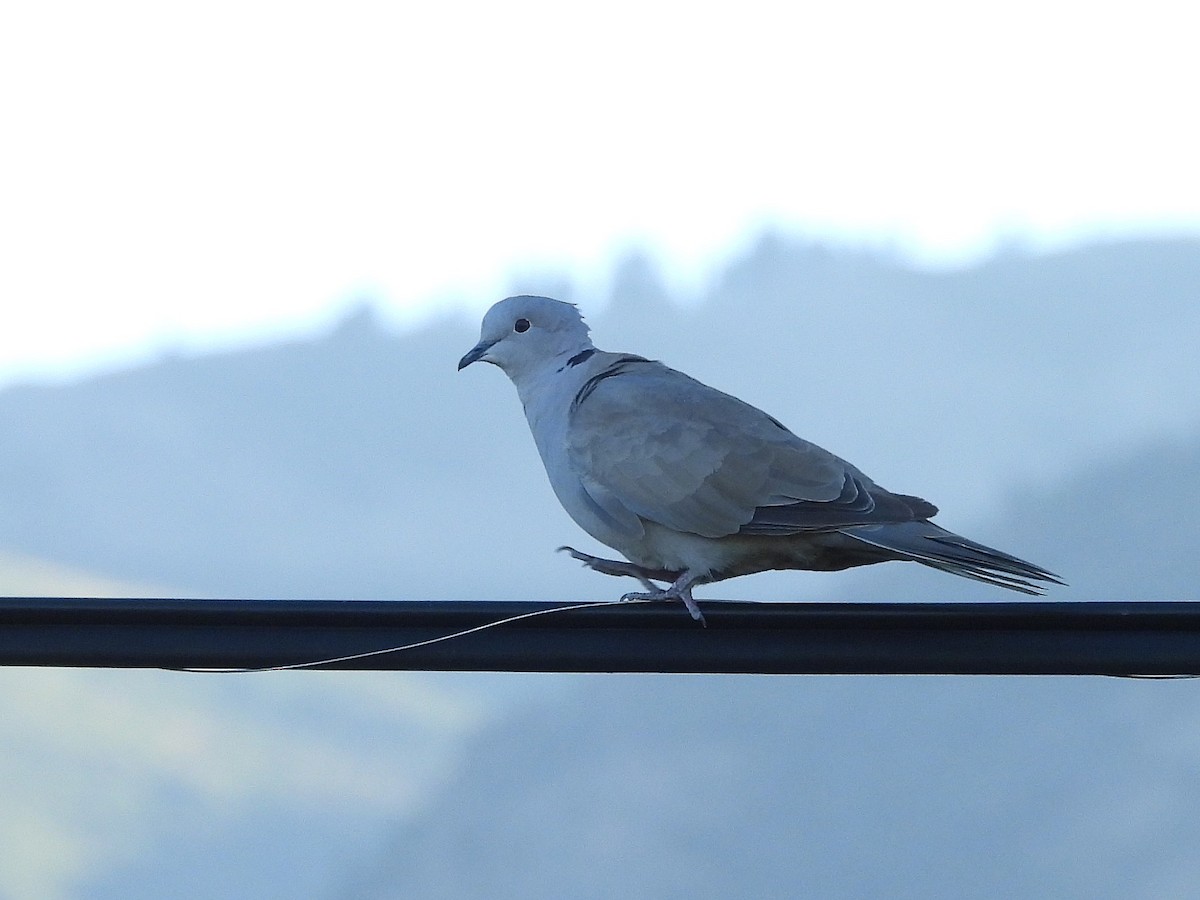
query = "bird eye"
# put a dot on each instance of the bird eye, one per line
(521, 326)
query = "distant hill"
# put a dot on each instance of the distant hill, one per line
(360, 464)
(717, 787)
(1049, 404)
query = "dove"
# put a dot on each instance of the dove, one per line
(692, 485)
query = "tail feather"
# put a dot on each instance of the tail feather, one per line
(934, 546)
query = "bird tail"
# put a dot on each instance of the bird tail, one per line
(934, 546)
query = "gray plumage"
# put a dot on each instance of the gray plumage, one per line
(692, 485)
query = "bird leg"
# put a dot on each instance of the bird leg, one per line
(619, 567)
(680, 589)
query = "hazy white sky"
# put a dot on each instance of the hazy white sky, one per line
(175, 174)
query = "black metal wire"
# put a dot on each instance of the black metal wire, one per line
(1033, 638)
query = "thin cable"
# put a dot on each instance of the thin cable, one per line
(413, 646)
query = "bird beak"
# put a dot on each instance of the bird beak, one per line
(475, 354)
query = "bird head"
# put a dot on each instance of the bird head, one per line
(523, 334)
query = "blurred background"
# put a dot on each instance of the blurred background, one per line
(244, 246)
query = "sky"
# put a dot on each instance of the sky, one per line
(189, 176)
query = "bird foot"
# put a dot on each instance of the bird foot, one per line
(680, 590)
(619, 567)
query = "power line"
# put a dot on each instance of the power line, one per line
(1033, 638)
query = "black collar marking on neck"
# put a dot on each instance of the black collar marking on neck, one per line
(618, 366)
(579, 357)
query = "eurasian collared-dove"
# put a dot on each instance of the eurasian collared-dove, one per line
(692, 485)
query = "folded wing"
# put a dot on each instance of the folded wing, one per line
(677, 452)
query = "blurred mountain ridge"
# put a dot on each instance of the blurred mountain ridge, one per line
(322, 467)
(712, 787)
(1049, 404)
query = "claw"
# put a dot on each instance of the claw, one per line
(681, 582)
(671, 593)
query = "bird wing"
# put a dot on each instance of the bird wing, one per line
(674, 451)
